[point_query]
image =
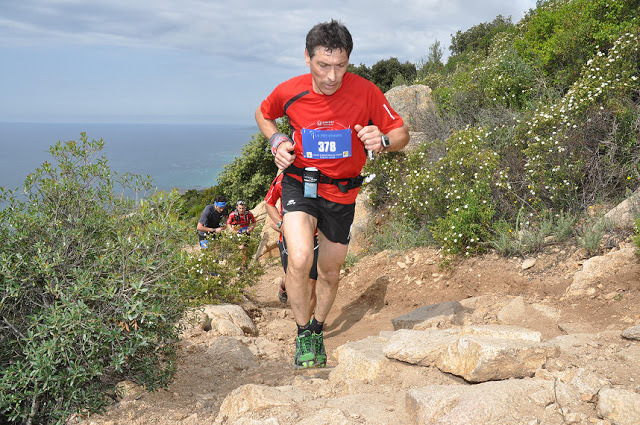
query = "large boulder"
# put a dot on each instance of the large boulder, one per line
(619, 406)
(228, 320)
(624, 213)
(411, 102)
(600, 268)
(361, 219)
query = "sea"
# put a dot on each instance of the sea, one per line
(181, 156)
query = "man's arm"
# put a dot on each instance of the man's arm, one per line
(371, 136)
(204, 218)
(274, 216)
(253, 223)
(267, 127)
(284, 154)
(230, 224)
(202, 228)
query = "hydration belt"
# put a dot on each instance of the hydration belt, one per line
(344, 185)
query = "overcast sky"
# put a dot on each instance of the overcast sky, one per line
(206, 61)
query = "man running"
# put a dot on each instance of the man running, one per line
(336, 116)
(273, 195)
(242, 221)
(209, 222)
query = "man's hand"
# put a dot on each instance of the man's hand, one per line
(370, 136)
(284, 155)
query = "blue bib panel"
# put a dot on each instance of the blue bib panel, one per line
(326, 144)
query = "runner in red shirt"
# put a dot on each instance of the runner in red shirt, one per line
(336, 117)
(242, 221)
(275, 215)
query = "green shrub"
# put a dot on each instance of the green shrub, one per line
(636, 237)
(505, 78)
(397, 234)
(217, 274)
(88, 293)
(452, 194)
(465, 227)
(563, 34)
(563, 225)
(249, 175)
(504, 241)
(480, 37)
(399, 80)
(385, 71)
(350, 260)
(385, 168)
(590, 233)
(527, 236)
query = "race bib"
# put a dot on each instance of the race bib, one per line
(326, 144)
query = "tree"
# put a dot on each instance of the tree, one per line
(362, 70)
(434, 60)
(385, 71)
(399, 81)
(89, 292)
(479, 37)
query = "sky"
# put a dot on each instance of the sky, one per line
(197, 61)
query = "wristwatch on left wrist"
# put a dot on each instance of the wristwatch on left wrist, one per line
(385, 141)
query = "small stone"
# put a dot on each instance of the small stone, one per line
(528, 263)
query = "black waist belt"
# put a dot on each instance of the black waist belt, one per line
(344, 185)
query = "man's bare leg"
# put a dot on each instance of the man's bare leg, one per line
(331, 256)
(299, 228)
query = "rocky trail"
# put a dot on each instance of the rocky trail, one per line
(551, 340)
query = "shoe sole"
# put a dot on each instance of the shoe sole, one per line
(305, 365)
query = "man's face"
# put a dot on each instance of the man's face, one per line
(327, 69)
(241, 208)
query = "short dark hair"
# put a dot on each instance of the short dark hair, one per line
(331, 35)
(220, 198)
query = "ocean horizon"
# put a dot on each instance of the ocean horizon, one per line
(180, 156)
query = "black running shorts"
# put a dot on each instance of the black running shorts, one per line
(334, 220)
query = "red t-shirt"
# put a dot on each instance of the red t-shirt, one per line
(275, 191)
(357, 101)
(242, 220)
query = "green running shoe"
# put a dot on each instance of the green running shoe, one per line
(317, 341)
(304, 351)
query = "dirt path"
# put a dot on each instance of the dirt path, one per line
(373, 292)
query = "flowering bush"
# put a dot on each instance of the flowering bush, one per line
(516, 147)
(453, 192)
(217, 274)
(557, 153)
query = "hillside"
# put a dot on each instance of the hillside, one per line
(484, 285)
(524, 124)
(592, 355)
